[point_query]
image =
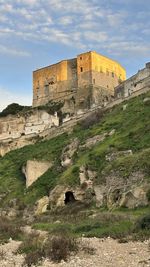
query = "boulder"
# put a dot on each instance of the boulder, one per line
(41, 205)
(124, 107)
(34, 169)
(146, 99)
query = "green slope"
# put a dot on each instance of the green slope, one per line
(132, 132)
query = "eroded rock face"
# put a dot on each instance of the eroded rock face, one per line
(68, 152)
(135, 197)
(41, 205)
(57, 197)
(34, 169)
(86, 177)
(118, 191)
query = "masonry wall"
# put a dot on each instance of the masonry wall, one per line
(97, 78)
(55, 82)
(79, 82)
(135, 83)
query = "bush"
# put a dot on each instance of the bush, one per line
(143, 223)
(8, 229)
(55, 248)
(32, 247)
(13, 109)
(59, 247)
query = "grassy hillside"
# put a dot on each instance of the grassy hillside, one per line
(132, 132)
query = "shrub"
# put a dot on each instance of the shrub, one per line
(32, 247)
(13, 109)
(8, 229)
(58, 247)
(143, 223)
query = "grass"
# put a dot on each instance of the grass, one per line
(121, 223)
(132, 132)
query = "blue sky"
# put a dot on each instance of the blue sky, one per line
(36, 33)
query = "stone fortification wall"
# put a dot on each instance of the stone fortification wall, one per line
(69, 81)
(135, 83)
(55, 82)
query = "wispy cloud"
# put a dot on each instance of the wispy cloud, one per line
(13, 51)
(55, 21)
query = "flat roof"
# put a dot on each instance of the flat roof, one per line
(76, 58)
(54, 64)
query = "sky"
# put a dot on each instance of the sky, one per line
(37, 33)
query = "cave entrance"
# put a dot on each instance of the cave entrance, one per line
(69, 197)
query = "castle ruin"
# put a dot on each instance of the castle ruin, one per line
(81, 83)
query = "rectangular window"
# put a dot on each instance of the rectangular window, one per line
(80, 58)
(81, 69)
(46, 90)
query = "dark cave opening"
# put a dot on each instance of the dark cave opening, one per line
(69, 197)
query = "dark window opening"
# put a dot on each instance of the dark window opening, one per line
(94, 81)
(80, 58)
(101, 69)
(81, 69)
(51, 82)
(69, 197)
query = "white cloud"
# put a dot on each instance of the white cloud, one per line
(96, 36)
(66, 20)
(13, 51)
(8, 97)
(75, 23)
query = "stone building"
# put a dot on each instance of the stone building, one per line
(81, 83)
(137, 82)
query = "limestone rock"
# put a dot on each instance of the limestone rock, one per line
(58, 195)
(68, 152)
(41, 205)
(111, 132)
(125, 107)
(100, 195)
(86, 177)
(94, 140)
(34, 169)
(134, 198)
(114, 155)
(146, 99)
